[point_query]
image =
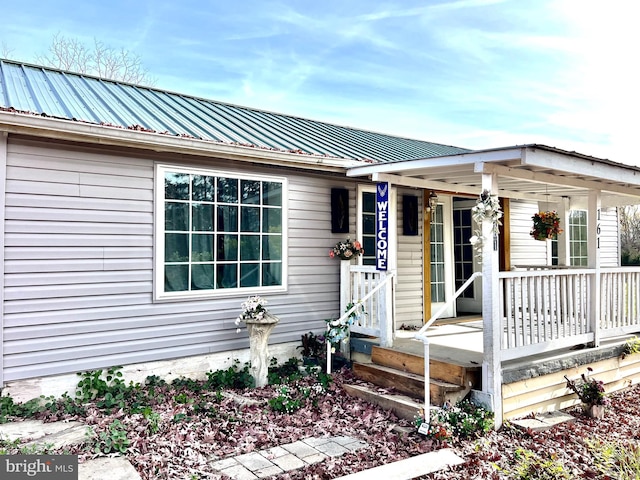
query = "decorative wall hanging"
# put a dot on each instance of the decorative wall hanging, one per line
(339, 210)
(410, 215)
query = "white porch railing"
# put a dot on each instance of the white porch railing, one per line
(543, 310)
(362, 284)
(373, 289)
(619, 301)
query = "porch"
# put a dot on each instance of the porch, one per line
(526, 312)
(549, 328)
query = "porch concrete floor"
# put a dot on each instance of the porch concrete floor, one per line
(457, 343)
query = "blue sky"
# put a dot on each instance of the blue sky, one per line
(470, 73)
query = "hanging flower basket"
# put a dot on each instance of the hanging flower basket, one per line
(346, 250)
(546, 226)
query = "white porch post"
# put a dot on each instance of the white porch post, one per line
(491, 364)
(564, 208)
(593, 254)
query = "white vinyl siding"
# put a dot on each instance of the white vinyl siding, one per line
(409, 299)
(79, 248)
(525, 250)
(609, 238)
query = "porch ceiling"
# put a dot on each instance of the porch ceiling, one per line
(531, 172)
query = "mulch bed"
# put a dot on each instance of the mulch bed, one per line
(182, 438)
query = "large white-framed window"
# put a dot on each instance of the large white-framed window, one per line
(218, 233)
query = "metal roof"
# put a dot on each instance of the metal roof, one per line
(70, 96)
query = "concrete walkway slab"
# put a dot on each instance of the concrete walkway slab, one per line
(107, 468)
(410, 467)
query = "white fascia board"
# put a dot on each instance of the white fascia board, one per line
(17, 123)
(409, 166)
(592, 167)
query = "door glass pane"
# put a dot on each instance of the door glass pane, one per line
(437, 256)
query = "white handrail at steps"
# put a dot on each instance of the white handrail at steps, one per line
(353, 308)
(422, 335)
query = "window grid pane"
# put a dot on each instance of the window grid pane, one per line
(578, 238)
(203, 218)
(437, 255)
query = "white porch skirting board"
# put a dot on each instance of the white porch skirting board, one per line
(549, 392)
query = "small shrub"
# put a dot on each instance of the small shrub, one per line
(464, 420)
(529, 466)
(589, 390)
(619, 460)
(291, 398)
(233, 377)
(287, 401)
(113, 440)
(286, 373)
(108, 390)
(631, 346)
(10, 409)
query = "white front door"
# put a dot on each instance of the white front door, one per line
(469, 301)
(442, 259)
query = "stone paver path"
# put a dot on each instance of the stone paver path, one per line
(291, 456)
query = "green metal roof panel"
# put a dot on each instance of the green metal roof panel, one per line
(65, 95)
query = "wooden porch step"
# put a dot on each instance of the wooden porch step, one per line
(402, 405)
(410, 384)
(457, 373)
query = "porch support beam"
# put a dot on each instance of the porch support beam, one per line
(593, 255)
(565, 181)
(491, 364)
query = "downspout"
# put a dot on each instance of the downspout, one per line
(3, 196)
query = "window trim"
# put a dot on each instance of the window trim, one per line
(159, 235)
